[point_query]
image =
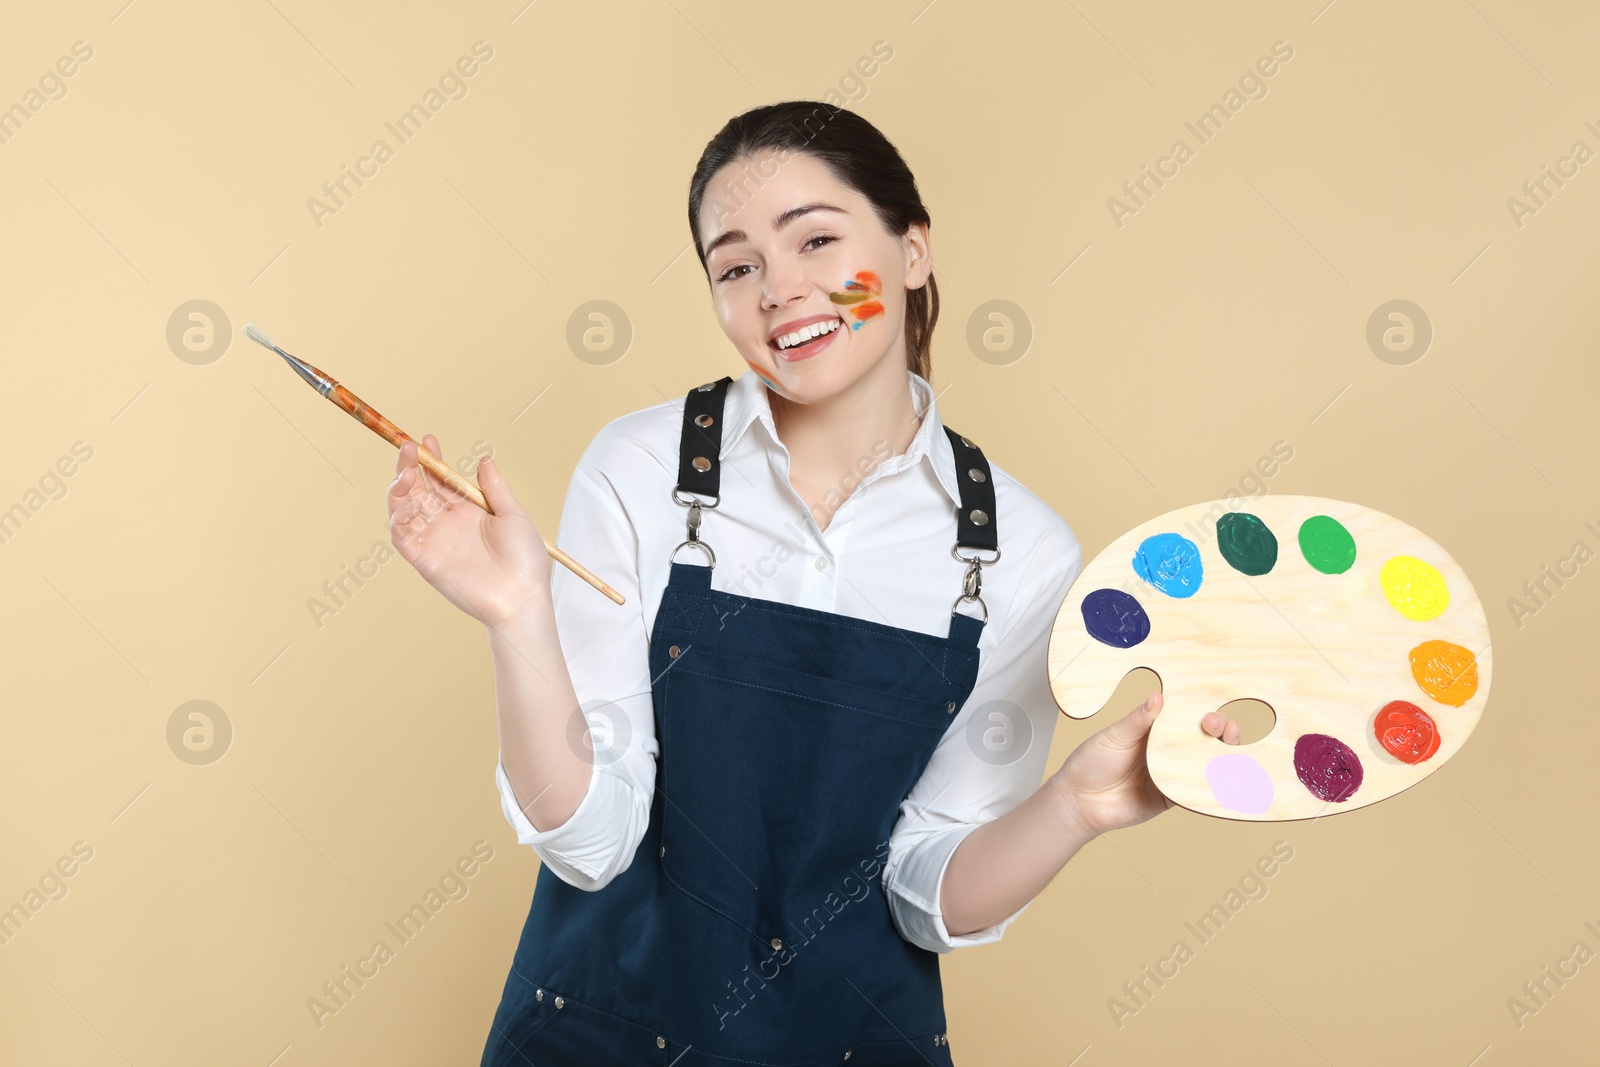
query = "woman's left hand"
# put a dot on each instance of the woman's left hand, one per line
(1105, 782)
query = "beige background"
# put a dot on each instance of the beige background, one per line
(1167, 355)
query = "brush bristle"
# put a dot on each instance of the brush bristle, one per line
(251, 331)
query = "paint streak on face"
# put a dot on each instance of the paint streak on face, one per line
(858, 296)
(774, 386)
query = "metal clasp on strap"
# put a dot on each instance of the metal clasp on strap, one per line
(972, 581)
(694, 504)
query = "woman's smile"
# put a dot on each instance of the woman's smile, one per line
(825, 331)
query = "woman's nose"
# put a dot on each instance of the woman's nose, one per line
(785, 285)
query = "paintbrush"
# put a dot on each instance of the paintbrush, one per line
(368, 417)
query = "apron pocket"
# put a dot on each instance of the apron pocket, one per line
(563, 1032)
(777, 784)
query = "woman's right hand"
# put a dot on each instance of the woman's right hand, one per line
(492, 567)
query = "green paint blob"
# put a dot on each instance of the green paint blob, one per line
(1246, 543)
(1327, 545)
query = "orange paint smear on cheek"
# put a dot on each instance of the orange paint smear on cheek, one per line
(857, 294)
(763, 376)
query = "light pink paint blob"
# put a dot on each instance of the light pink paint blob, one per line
(1239, 783)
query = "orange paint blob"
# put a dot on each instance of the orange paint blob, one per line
(1446, 672)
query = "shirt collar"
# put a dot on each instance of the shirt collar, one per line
(747, 402)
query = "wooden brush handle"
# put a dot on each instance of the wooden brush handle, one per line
(448, 474)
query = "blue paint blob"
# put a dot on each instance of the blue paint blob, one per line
(1114, 618)
(1171, 563)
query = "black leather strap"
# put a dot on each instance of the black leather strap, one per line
(701, 443)
(975, 527)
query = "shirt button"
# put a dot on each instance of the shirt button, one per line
(822, 563)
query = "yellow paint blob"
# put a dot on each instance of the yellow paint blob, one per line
(1416, 589)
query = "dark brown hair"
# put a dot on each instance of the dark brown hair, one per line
(859, 157)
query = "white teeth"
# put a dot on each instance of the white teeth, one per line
(806, 333)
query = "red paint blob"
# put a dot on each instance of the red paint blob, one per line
(1406, 732)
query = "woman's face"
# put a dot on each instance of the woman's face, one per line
(792, 249)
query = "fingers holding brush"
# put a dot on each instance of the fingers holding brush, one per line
(416, 495)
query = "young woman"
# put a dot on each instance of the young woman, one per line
(804, 758)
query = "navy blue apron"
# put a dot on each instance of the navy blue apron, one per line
(751, 927)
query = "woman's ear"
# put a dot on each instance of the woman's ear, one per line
(919, 255)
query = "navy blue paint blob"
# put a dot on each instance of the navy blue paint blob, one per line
(1115, 618)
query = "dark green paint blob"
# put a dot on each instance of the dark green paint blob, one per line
(1246, 543)
(1327, 545)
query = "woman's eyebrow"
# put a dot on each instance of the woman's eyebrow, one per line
(777, 224)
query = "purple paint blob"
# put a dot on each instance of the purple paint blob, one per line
(1239, 783)
(1115, 618)
(1327, 767)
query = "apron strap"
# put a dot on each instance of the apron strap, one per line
(700, 461)
(700, 474)
(700, 447)
(975, 530)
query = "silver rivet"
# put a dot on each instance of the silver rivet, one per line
(700, 463)
(979, 517)
(777, 942)
(538, 994)
(950, 708)
(560, 1003)
(661, 1042)
(663, 850)
(846, 1053)
(703, 420)
(706, 388)
(976, 475)
(966, 442)
(673, 651)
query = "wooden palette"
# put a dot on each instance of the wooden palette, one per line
(1360, 632)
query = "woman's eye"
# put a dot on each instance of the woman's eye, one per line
(734, 272)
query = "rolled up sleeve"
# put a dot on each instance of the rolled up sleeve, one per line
(606, 647)
(968, 783)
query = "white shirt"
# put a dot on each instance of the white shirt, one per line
(884, 556)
